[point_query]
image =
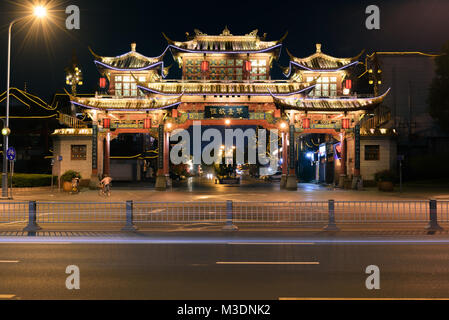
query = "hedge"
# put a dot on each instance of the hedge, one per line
(24, 180)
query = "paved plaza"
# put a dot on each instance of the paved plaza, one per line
(195, 189)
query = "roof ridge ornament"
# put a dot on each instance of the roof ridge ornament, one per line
(133, 47)
(226, 32)
(253, 33)
(199, 33)
(318, 48)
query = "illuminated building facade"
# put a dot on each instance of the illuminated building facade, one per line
(226, 81)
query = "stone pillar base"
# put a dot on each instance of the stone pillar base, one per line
(94, 182)
(291, 184)
(161, 183)
(283, 181)
(341, 181)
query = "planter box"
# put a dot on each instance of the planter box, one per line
(67, 186)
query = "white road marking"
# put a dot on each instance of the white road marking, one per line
(268, 263)
(7, 296)
(271, 243)
(32, 242)
(362, 299)
(9, 261)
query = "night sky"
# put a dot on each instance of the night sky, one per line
(110, 26)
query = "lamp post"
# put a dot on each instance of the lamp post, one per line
(39, 12)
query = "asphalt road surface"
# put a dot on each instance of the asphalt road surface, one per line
(225, 267)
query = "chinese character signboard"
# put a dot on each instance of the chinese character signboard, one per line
(94, 146)
(160, 158)
(236, 112)
(357, 147)
(292, 147)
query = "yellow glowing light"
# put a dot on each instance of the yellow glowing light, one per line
(169, 125)
(227, 122)
(283, 125)
(40, 11)
(6, 131)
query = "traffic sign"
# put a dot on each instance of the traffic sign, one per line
(11, 154)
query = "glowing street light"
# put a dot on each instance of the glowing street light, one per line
(39, 12)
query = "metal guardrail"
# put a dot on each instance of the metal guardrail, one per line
(227, 213)
(13, 212)
(80, 212)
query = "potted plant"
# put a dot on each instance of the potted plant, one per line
(66, 179)
(385, 180)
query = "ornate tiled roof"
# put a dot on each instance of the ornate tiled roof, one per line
(330, 104)
(225, 42)
(280, 88)
(129, 61)
(321, 62)
(103, 103)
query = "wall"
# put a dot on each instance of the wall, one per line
(387, 156)
(386, 160)
(62, 147)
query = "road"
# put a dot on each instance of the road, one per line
(220, 266)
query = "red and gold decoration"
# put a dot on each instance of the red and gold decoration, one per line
(106, 123)
(345, 123)
(306, 123)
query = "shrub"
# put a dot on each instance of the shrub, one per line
(69, 175)
(23, 180)
(385, 175)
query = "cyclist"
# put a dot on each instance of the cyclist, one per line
(75, 184)
(106, 184)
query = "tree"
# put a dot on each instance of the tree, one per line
(439, 90)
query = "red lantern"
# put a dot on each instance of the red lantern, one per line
(348, 84)
(174, 113)
(102, 83)
(306, 123)
(345, 123)
(205, 66)
(106, 123)
(147, 123)
(248, 66)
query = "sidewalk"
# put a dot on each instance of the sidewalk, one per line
(306, 192)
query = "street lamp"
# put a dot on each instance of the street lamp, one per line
(39, 12)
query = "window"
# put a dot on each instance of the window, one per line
(372, 152)
(79, 152)
(226, 69)
(326, 87)
(125, 86)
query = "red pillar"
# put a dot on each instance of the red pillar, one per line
(167, 154)
(343, 155)
(107, 155)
